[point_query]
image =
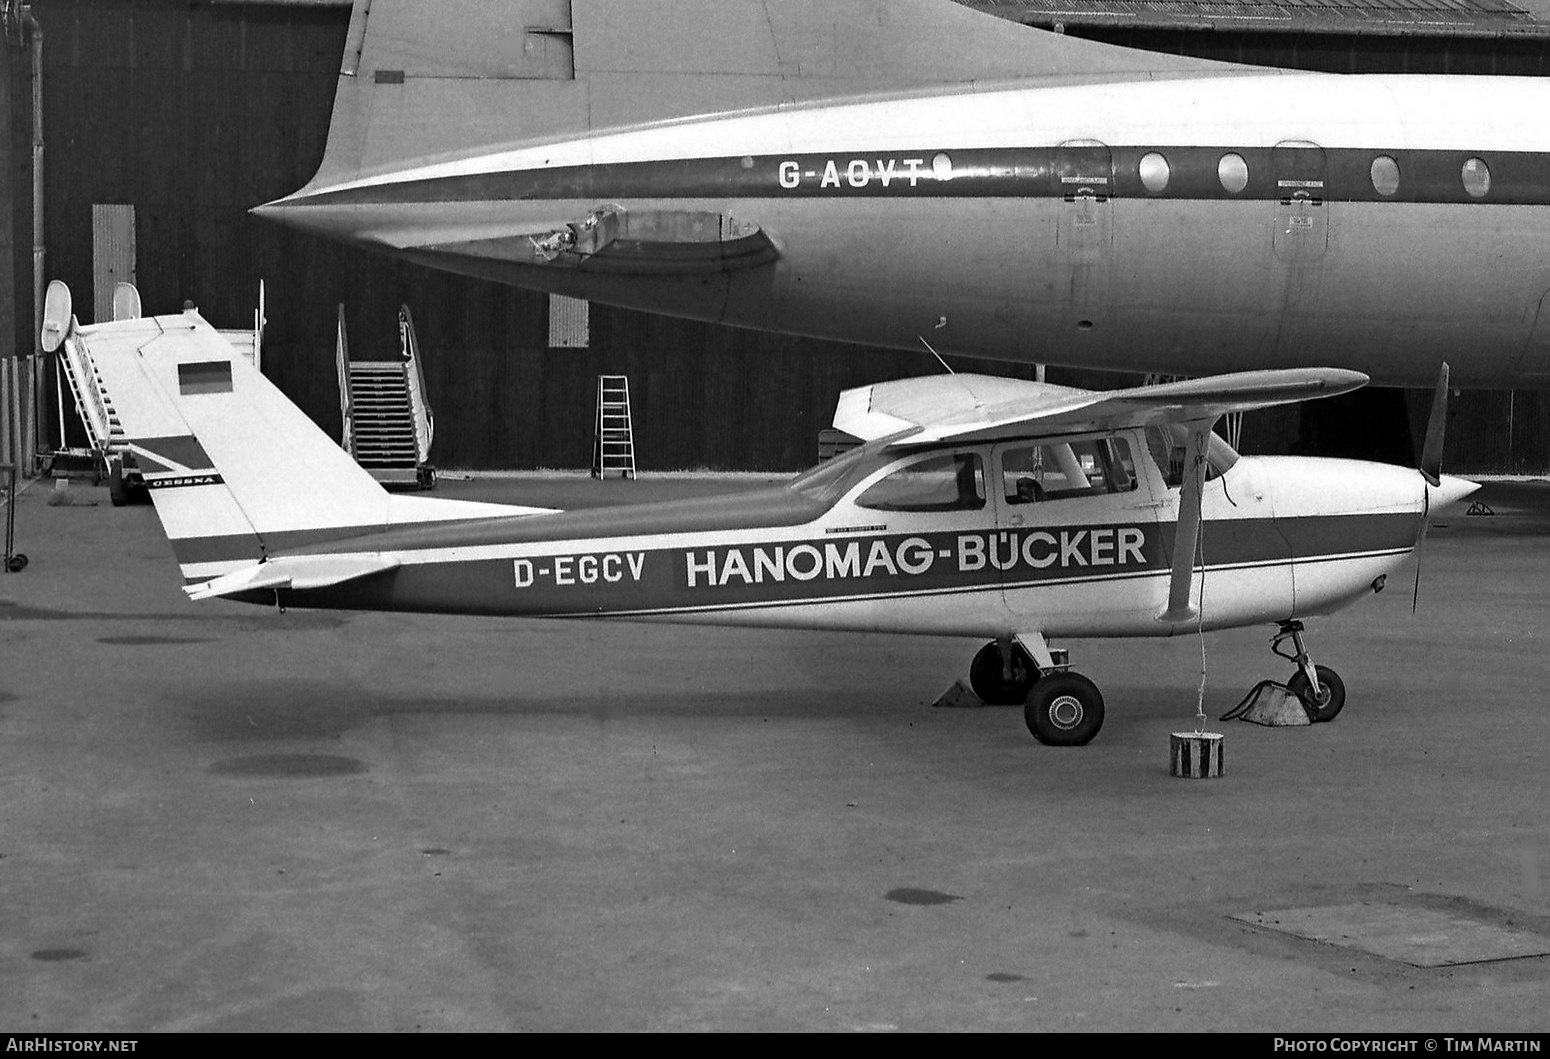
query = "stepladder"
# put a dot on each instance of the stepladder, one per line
(613, 436)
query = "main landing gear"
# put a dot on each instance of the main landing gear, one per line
(1320, 688)
(1061, 708)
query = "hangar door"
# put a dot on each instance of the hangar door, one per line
(112, 252)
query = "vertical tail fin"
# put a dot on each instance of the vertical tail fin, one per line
(234, 468)
(236, 471)
(459, 77)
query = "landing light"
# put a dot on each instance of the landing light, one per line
(1378, 583)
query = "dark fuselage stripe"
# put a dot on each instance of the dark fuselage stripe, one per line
(611, 577)
(1314, 175)
(382, 595)
(1005, 586)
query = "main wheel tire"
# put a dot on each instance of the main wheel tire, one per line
(1322, 707)
(117, 494)
(1064, 709)
(989, 682)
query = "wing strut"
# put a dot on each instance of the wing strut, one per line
(1186, 539)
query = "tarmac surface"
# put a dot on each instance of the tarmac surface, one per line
(222, 817)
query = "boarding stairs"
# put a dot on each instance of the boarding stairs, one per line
(388, 424)
(613, 437)
(107, 453)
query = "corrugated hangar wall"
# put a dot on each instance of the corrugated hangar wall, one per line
(195, 112)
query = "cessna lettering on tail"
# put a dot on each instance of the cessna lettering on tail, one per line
(179, 481)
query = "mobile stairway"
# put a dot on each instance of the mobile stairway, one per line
(106, 454)
(388, 425)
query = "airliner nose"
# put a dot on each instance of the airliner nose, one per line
(305, 212)
(275, 210)
(1449, 489)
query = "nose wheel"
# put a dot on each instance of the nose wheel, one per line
(1318, 687)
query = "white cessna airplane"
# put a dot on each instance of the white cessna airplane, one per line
(878, 170)
(1007, 511)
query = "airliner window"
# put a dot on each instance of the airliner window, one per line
(1233, 172)
(951, 482)
(1154, 172)
(1167, 446)
(1063, 469)
(1477, 178)
(1385, 175)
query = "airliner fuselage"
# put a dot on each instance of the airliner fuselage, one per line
(1189, 224)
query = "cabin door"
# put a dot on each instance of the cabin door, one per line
(1076, 530)
(1083, 179)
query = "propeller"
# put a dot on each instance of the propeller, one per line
(1436, 423)
(1431, 469)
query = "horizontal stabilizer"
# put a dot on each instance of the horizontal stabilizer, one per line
(973, 408)
(294, 572)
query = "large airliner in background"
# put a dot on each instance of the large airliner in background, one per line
(887, 171)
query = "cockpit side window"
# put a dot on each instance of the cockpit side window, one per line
(1167, 444)
(1054, 470)
(950, 482)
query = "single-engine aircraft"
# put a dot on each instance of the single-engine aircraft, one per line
(1005, 510)
(874, 171)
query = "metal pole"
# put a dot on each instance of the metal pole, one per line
(6, 371)
(13, 563)
(59, 394)
(28, 461)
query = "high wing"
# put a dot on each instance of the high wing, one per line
(977, 408)
(980, 408)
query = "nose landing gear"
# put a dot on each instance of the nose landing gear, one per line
(1319, 687)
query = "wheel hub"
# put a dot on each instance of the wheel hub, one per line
(1065, 712)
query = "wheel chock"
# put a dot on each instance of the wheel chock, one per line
(958, 697)
(1272, 704)
(1195, 755)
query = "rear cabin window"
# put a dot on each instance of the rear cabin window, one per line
(951, 482)
(1060, 469)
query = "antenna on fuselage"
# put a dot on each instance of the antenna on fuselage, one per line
(937, 355)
